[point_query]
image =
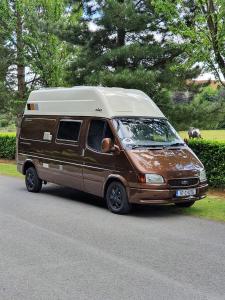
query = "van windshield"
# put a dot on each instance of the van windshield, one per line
(146, 132)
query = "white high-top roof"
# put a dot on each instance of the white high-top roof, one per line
(91, 101)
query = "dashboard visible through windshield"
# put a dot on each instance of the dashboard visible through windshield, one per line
(146, 132)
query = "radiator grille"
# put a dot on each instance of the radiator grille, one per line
(183, 182)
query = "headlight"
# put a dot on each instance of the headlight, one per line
(202, 175)
(154, 178)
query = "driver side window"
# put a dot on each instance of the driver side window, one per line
(98, 130)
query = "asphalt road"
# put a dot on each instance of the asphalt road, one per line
(61, 244)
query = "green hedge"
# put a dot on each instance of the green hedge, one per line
(212, 155)
(7, 145)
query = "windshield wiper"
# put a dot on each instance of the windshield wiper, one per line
(175, 144)
(136, 146)
(157, 146)
(147, 146)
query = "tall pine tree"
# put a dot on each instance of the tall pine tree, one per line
(130, 47)
(5, 55)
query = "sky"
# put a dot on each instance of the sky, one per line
(206, 76)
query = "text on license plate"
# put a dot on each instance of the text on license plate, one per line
(187, 192)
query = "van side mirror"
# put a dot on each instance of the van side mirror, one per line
(108, 146)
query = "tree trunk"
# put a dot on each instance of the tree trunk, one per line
(212, 22)
(121, 36)
(21, 85)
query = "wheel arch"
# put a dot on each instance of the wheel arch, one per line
(117, 178)
(27, 164)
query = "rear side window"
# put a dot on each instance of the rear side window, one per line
(34, 128)
(69, 130)
(98, 130)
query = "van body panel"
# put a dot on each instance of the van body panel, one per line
(56, 161)
(163, 196)
(97, 167)
(167, 162)
(119, 178)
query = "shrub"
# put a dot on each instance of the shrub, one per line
(7, 146)
(212, 155)
(4, 122)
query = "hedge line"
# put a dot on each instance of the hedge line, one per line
(211, 153)
(7, 146)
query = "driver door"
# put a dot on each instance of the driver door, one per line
(97, 165)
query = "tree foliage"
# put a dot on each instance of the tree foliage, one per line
(131, 47)
(206, 111)
(151, 45)
(37, 56)
(5, 55)
(201, 24)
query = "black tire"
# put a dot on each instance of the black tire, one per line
(33, 182)
(116, 198)
(185, 204)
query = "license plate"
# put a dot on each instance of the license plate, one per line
(185, 193)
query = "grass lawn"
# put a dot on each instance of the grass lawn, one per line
(8, 133)
(212, 207)
(218, 135)
(9, 169)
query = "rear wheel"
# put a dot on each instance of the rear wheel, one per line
(185, 204)
(116, 197)
(33, 182)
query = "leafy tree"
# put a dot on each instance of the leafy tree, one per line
(38, 57)
(11, 21)
(206, 111)
(201, 23)
(5, 58)
(131, 47)
(46, 53)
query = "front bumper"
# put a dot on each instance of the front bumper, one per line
(164, 196)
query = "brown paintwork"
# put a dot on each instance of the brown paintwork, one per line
(170, 163)
(74, 164)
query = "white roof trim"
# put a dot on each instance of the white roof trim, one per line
(91, 101)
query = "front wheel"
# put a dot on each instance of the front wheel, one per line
(33, 182)
(185, 204)
(116, 197)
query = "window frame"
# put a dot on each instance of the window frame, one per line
(65, 141)
(31, 119)
(89, 124)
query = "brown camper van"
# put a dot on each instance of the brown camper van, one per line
(111, 142)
